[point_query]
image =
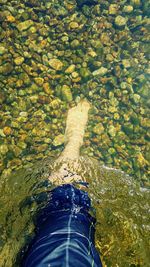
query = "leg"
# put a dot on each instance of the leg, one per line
(75, 128)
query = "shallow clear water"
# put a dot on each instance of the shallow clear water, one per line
(122, 231)
(108, 64)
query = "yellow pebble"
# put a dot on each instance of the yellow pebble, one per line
(10, 18)
(141, 160)
(47, 89)
(7, 130)
(129, 80)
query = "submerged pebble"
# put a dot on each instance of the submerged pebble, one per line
(101, 71)
(128, 9)
(66, 93)
(22, 26)
(19, 60)
(55, 64)
(3, 50)
(59, 140)
(120, 21)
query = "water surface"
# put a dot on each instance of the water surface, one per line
(121, 208)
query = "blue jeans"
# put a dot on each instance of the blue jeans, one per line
(65, 236)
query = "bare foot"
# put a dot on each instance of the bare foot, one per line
(75, 128)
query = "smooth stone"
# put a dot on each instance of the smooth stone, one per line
(55, 104)
(98, 129)
(3, 50)
(66, 93)
(2, 133)
(22, 26)
(101, 71)
(126, 63)
(84, 72)
(42, 148)
(21, 145)
(112, 109)
(39, 81)
(92, 53)
(16, 124)
(33, 88)
(120, 21)
(27, 54)
(42, 99)
(136, 98)
(59, 140)
(33, 99)
(3, 149)
(109, 57)
(105, 39)
(18, 60)
(14, 163)
(10, 19)
(76, 80)
(23, 114)
(147, 71)
(32, 29)
(70, 69)
(75, 43)
(6, 172)
(17, 151)
(6, 68)
(136, 2)
(116, 116)
(123, 85)
(126, 117)
(75, 74)
(7, 130)
(112, 130)
(22, 119)
(128, 9)
(77, 100)
(113, 101)
(113, 9)
(55, 63)
(74, 25)
(65, 38)
(111, 151)
(47, 89)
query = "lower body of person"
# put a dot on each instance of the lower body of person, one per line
(65, 232)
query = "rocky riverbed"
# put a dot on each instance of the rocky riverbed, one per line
(52, 54)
